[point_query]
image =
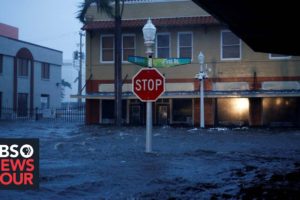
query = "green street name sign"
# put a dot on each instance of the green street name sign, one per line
(159, 62)
(142, 61)
(170, 62)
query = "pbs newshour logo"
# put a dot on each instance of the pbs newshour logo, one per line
(19, 163)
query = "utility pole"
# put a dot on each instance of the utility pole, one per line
(80, 70)
(118, 69)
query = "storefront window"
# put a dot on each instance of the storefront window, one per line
(182, 111)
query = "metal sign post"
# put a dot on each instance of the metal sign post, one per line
(148, 86)
(149, 118)
(149, 33)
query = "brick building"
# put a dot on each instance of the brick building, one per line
(243, 87)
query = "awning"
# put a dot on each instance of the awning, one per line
(195, 94)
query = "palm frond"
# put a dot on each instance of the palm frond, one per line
(66, 84)
(102, 6)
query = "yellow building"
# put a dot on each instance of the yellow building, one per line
(243, 87)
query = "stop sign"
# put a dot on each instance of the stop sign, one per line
(148, 84)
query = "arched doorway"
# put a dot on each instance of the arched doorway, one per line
(23, 70)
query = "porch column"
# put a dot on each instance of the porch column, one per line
(255, 111)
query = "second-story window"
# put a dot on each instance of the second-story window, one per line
(107, 48)
(45, 71)
(22, 67)
(278, 56)
(128, 45)
(185, 45)
(1, 64)
(163, 45)
(230, 46)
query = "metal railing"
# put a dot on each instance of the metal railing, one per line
(76, 114)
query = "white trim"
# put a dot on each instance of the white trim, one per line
(163, 33)
(283, 57)
(192, 42)
(102, 36)
(221, 47)
(122, 49)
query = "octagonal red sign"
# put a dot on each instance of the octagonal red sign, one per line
(148, 84)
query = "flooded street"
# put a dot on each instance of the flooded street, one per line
(96, 162)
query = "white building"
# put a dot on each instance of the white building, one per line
(30, 76)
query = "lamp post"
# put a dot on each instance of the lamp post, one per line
(201, 76)
(149, 32)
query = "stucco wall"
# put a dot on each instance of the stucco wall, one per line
(49, 87)
(6, 82)
(206, 39)
(10, 47)
(184, 8)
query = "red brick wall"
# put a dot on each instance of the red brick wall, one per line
(92, 111)
(209, 109)
(255, 111)
(9, 31)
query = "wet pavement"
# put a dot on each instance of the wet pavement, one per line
(97, 162)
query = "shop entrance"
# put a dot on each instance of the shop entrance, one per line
(137, 112)
(233, 111)
(162, 114)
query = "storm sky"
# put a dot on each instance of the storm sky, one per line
(50, 23)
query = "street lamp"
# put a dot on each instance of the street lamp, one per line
(201, 76)
(149, 32)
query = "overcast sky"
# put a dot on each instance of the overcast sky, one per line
(50, 23)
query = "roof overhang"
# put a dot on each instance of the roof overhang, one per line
(266, 26)
(195, 94)
(134, 23)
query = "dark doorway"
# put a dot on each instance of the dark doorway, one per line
(22, 105)
(162, 114)
(107, 111)
(182, 111)
(108, 107)
(135, 114)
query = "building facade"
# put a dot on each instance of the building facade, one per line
(30, 77)
(243, 87)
